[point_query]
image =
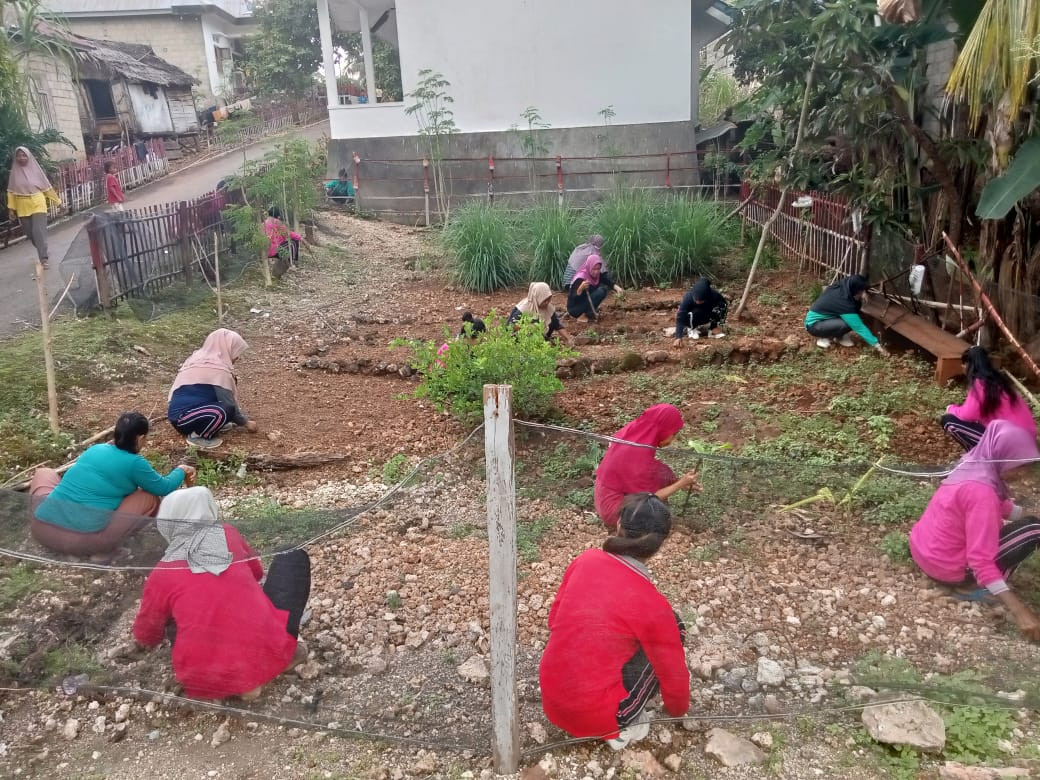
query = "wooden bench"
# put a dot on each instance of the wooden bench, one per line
(946, 347)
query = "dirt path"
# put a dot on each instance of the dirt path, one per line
(399, 597)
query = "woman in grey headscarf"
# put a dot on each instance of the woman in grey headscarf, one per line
(581, 253)
(232, 635)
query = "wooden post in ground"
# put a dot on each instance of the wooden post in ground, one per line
(48, 355)
(216, 276)
(501, 512)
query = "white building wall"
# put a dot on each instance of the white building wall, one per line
(569, 59)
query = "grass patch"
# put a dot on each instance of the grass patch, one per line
(896, 545)
(18, 582)
(213, 473)
(550, 232)
(268, 525)
(529, 534)
(90, 354)
(395, 469)
(70, 658)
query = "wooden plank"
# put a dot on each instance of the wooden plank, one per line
(917, 329)
(501, 513)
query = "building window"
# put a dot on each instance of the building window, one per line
(45, 111)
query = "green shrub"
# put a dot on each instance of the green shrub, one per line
(484, 244)
(454, 374)
(630, 223)
(691, 236)
(550, 232)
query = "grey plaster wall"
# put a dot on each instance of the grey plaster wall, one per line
(391, 176)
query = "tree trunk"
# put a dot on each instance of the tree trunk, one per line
(810, 78)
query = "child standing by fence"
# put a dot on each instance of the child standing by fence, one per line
(113, 190)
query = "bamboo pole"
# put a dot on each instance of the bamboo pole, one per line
(48, 353)
(991, 308)
(810, 78)
(216, 273)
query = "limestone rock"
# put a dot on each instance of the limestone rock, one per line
(426, 765)
(910, 723)
(770, 672)
(673, 761)
(71, 729)
(220, 736)
(122, 713)
(951, 770)
(763, 739)
(731, 750)
(644, 763)
(537, 732)
(474, 669)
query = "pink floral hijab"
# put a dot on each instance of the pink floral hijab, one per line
(590, 270)
(27, 179)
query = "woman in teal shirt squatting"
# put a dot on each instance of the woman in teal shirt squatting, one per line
(110, 492)
(835, 315)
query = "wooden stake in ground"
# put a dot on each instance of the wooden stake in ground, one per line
(810, 78)
(216, 275)
(993, 313)
(48, 354)
(501, 512)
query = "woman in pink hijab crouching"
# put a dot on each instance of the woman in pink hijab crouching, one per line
(204, 398)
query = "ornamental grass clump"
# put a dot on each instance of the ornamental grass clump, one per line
(550, 232)
(692, 234)
(485, 247)
(630, 223)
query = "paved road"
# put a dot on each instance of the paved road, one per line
(18, 306)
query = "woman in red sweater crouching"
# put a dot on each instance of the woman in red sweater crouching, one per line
(231, 635)
(615, 640)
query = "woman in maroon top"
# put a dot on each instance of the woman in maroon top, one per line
(230, 635)
(615, 640)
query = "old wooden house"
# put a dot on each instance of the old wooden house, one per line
(126, 91)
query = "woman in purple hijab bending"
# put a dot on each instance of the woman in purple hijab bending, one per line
(578, 257)
(971, 534)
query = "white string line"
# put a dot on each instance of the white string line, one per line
(738, 460)
(375, 504)
(258, 715)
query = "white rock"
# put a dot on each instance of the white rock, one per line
(910, 723)
(731, 750)
(888, 601)
(122, 713)
(220, 736)
(99, 724)
(763, 739)
(770, 672)
(537, 732)
(71, 729)
(673, 762)
(474, 669)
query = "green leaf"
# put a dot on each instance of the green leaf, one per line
(1020, 179)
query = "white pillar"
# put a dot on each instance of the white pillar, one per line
(327, 56)
(501, 514)
(366, 46)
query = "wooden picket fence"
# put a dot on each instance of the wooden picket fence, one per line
(139, 253)
(813, 227)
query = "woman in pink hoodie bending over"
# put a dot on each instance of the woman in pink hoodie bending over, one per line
(962, 539)
(990, 397)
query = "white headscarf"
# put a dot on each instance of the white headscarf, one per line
(188, 520)
(537, 302)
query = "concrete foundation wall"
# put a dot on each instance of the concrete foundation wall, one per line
(391, 175)
(177, 39)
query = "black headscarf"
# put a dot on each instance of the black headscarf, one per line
(840, 297)
(701, 290)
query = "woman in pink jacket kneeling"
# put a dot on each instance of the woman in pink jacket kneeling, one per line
(990, 397)
(962, 538)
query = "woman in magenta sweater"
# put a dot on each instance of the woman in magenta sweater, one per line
(962, 539)
(990, 397)
(615, 640)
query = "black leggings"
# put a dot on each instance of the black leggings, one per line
(578, 305)
(830, 328)
(288, 585)
(637, 675)
(966, 434)
(1018, 540)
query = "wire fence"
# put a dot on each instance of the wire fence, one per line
(399, 609)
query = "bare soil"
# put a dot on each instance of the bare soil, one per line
(399, 596)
